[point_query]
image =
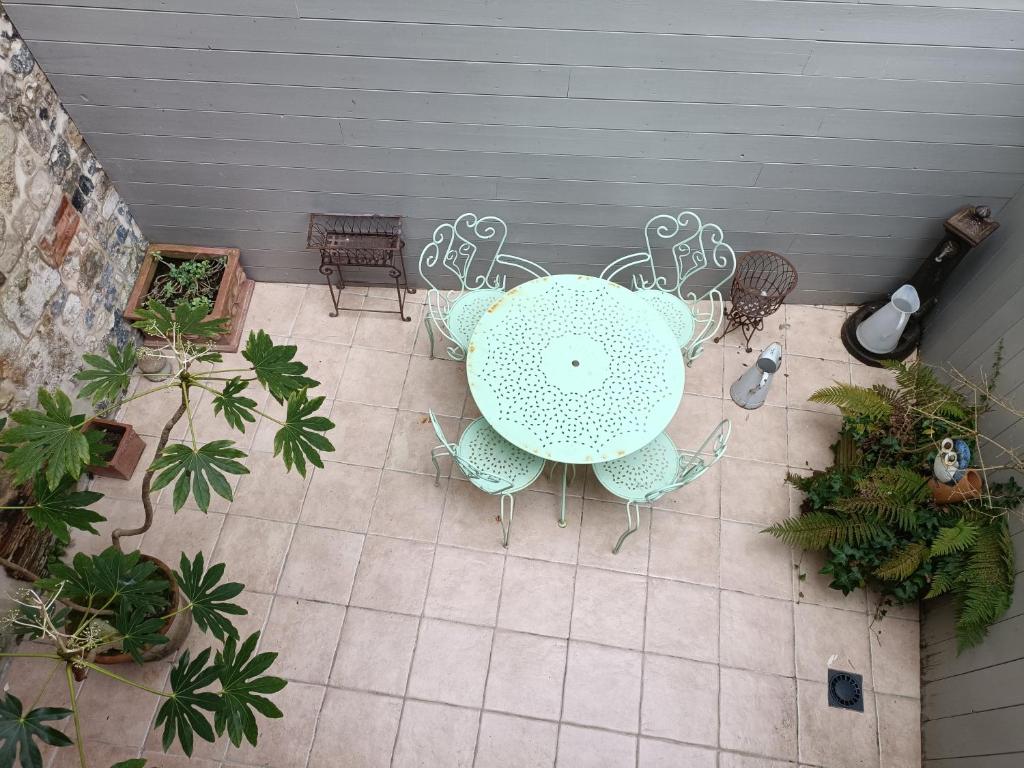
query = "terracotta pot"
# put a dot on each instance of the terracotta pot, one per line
(153, 366)
(175, 629)
(969, 487)
(233, 295)
(127, 452)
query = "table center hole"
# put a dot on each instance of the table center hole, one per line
(575, 363)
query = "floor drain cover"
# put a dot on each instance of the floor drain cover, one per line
(845, 690)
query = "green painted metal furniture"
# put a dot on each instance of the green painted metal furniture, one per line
(575, 369)
(658, 468)
(458, 255)
(699, 254)
(491, 463)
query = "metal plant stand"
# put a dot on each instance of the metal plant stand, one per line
(359, 242)
(762, 282)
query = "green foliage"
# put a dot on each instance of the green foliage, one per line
(19, 731)
(209, 599)
(136, 762)
(274, 367)
(956, 538)
(198, 469)
(893, 494)
(903, 563)
(184, 321)
(62, 508)
(182, 714)
(819, 530)
(237, 410)
(299, 438)
(112, 578)
(190, 282)
(107, 377)
(243, 689)
(854, 401)
(49, 442)
(137, 630)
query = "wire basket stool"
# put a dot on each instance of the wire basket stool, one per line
(762, 282)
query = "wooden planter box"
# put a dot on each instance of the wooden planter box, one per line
(125, 458)
(233, 296)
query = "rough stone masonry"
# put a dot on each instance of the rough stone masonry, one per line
(70, 248)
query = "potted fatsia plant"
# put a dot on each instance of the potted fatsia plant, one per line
(122, 606)
(874, 513)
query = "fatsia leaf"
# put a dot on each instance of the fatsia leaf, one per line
(112, 576)
(49, 441)
(300, 437)
(19, 731)
(135, 762)
(274, 366)
(62, 508)
(185, 320)
(137, 630)
(237, 410)
(181, 715)
(198, 470)
(240, 699)
(209, 598)
(107, 377)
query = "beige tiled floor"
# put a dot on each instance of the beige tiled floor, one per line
(411, 638)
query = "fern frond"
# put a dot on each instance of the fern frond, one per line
(892, 493)
(854, 401)
(817, 530)
(956, 538)
(942, 583)
(902, 564)
(977, 609)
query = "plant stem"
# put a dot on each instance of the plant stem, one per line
(136, 396)
(69, 676)
(188, 412)
(46, 685)
(223, 370)
(254, 410)
(99, 668)
(14, 655)
(147, 482)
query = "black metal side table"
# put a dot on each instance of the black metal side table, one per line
(359, 241)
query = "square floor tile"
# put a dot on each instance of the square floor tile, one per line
(836, 737)
(602, 687)
(314, 320)
(321, 564)
(755, 562)
(823, 633)
(815, 332)
(734, 760)
(273, 308)
(701, 497)
(664, 754)
(515, 742)
(754, 491)
(680, 700)
(304, 634)
(187, 530)
(811, 436)
(373, 377)
(355, 728)
(470, 518)
(414, 438)
(392, 575)
(341, 496)
(450, 663)
(758, 713)
(408, 506)
(704, 377)
(684, 547)
(682, 620)
(603, 523)
(536, 597)
(258, 606)
(589, 748)
(436, 734)
(812, 586)
(325, 362)
(899, 726)
(759, 434)
(464, 586)
(268, 491)
(115, 713)
(281, 739)
(380, 327)
(435, 385)
(694, 420)
(240, 538)
(362, 433)
(97, 753)
(375, 651)
(896, 656)
(526, 675)
(535, 531)
(757, 633)
(608, 608)
(806, 375)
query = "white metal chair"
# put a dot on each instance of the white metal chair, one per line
(491, 463)
(693, 313)
(454, 255)
(658, 468)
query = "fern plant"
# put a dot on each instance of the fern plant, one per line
(873, 514)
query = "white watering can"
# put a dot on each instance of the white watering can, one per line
(881, 332)
(751, 389)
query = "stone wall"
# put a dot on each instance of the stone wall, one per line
(70, 248)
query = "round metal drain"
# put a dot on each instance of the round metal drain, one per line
(845, 690)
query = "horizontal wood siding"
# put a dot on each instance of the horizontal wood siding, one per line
(839, 133)
(973, 703)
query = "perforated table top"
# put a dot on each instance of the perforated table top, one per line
(575, 369)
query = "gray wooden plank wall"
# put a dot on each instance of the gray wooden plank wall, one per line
(839, 133)
(973, 704)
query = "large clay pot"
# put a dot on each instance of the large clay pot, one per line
(969, 487)
(175, 629)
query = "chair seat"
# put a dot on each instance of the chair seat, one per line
(489, 452)
(675, 311)
(465, 312)
(649, 470)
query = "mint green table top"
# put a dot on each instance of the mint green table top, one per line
(575, 369)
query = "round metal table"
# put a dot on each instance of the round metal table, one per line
(575, 369)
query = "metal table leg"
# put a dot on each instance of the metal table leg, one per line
(565, 473)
